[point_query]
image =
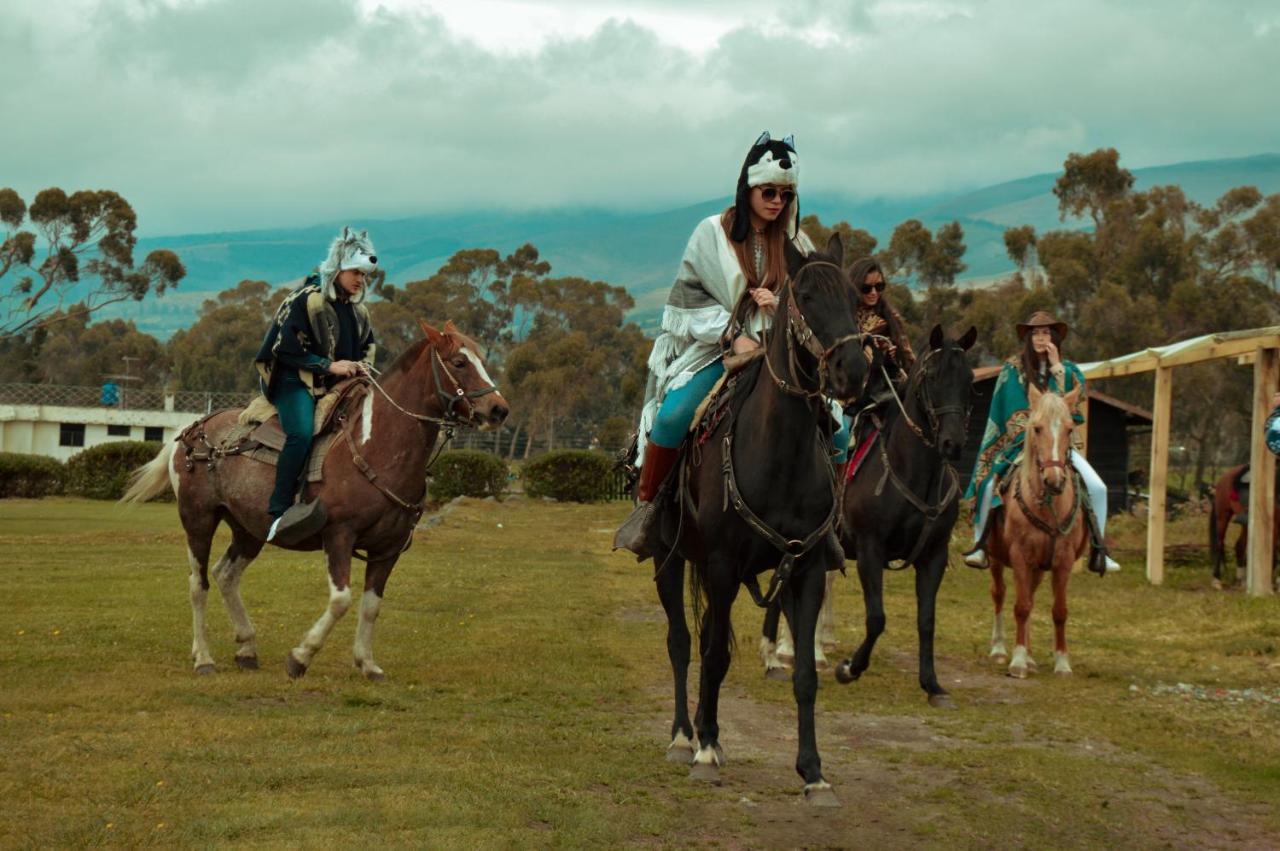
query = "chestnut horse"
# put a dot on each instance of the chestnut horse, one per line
(1039, 528)
(1229, 499)
(374, 484)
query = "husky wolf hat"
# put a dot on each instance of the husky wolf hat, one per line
(351, 249)
(768, 163)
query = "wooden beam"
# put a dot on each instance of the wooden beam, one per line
(1262, 472)
(1224, 349)
(1160, 419)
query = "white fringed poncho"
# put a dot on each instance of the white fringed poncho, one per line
(708, 286)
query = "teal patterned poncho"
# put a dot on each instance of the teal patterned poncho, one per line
(1010, 409)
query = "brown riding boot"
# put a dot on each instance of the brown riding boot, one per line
(637, 532)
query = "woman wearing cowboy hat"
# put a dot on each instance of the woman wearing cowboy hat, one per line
(1041, 363)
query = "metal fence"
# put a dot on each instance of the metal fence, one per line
(62, 395)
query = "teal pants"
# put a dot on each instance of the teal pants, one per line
(297, 408)
(676, 414)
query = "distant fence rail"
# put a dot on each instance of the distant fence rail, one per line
(63, 395)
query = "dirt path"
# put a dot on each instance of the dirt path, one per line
(891, 800)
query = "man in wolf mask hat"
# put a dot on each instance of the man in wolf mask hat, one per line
(320, 335)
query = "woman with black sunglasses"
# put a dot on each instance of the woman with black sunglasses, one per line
(733, 260)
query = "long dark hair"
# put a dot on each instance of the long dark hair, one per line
(858, 273)
(1030, 359)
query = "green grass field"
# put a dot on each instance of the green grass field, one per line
(528, 704)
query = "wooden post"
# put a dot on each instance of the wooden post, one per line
(1262, 472)
(1160, 417)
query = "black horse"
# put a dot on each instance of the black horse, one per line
(760, 495)
(903, 501)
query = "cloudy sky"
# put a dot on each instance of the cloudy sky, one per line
(225, 114)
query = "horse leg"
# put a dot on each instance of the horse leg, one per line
(376, 574)
(803, 613)
(871, 576)
(827, 616)
(999, 653)
(1061, 664)
(227, 573)
(774, 667)
(722, 589)
(670, 582)
(337, 548)
(928, 581)
(1022, 580)
(198, 546)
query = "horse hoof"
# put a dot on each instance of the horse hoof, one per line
(829, 648)
(205, 670)
(1217, 584)
(1019, 673)
(682, 755)
(941, 701)
(845, 674)
(247, 663)
(1000, 658)
(820, 794)
(374, 676)
(779, 674)
(822, 666)
(293, 667)
(706, 772)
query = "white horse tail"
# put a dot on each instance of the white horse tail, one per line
(151, 479)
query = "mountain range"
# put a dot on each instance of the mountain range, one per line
(637, 250)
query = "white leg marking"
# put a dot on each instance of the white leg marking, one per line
(370, 603)
(997, 636)
(827, 614)
(227, 573)
(680, 743)
(1061, 664)
(786, 648)
(339, 602)
(1018, 665)
(199, 595)
(708, 756)
(366, 419)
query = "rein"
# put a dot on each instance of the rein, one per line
(799, 331)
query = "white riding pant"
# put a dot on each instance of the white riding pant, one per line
(1092, 483)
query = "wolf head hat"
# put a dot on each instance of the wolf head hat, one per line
(773, 163)
(351, 249)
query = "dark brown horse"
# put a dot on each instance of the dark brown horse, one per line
(374, 484)
(1230, 498)
(761, 495)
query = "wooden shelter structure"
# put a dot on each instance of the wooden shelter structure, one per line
(1260, 347)
(1111, 424)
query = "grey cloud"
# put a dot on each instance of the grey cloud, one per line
(227, 114)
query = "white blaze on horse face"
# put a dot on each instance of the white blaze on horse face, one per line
(479, 365)
(366, 419)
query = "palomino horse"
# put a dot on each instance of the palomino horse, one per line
(904, 500)
(374, 483)
(1229, 499)
(1039, 528)
(760, 495)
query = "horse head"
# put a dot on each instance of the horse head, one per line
(820, 317)
(1047, 442)
(943, 382)
(462, 384)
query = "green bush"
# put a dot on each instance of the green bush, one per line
(574, 475)
(30, 476)
(468, 472)
(102, 471)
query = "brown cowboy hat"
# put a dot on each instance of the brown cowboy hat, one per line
(1042, 319)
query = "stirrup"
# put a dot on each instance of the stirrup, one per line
(302, 521)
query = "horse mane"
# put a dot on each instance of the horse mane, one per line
(455, 339)
(1028, 480)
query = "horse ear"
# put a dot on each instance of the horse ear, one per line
(835, 249)
(433, 336)
(970, 337)
(793, 257)
(935, 337)
(450, 328)
(1033, 394)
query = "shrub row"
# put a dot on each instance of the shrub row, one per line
(468, 472)
(573, 475)
(99, 472)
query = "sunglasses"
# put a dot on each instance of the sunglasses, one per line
(866, 288)
(769, 193)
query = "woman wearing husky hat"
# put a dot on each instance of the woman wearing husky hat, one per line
(731, 255)
(320, 335)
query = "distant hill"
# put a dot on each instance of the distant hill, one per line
(637, 250)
